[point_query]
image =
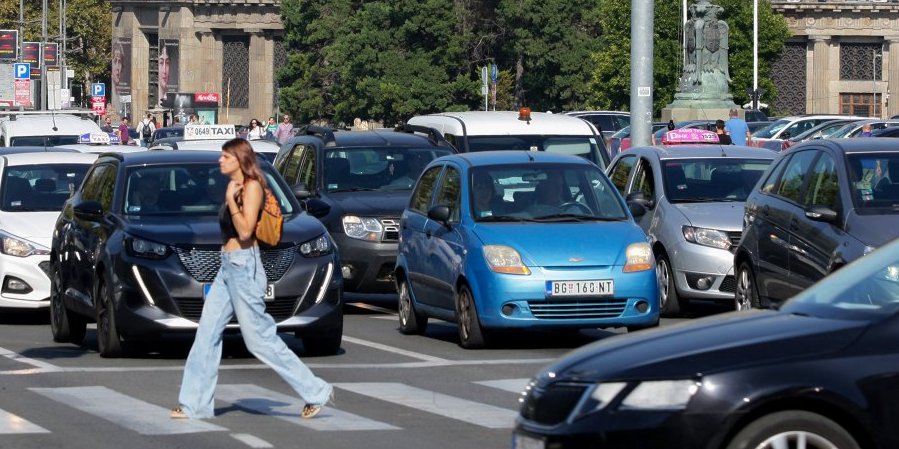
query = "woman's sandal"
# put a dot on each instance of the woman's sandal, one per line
(310, 410)
(177, 413)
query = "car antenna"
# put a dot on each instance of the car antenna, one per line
(53, 116)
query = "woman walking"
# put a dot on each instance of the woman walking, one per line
(238, 289)
(255, 130)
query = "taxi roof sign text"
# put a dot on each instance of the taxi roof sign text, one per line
(684, 136)
(209, 132)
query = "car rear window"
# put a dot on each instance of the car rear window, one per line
(875, 182)
(711, 179)
(44, 187)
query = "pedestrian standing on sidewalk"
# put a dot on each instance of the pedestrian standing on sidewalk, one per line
(285, 130)
(238, 289)
(738, 129)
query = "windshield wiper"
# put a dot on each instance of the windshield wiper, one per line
(507, 218)
(574, 217)
(354, 189)
(704, 199)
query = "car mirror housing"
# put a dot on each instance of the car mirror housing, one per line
(439, 213)
(639, 198)
(88, 210)
(821, 213)
(316, 207)
(637, 209)
(301, 191)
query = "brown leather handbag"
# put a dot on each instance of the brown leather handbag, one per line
(268, 229)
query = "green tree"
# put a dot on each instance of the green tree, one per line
(610, 82)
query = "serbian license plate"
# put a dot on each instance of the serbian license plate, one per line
(580, 288)
(269, 292)
(520, 441)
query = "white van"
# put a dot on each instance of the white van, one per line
(44, 128)
(510, 130)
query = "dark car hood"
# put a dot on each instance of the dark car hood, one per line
(708, 345)
(873, 230)
(370, 204)
(204, 230)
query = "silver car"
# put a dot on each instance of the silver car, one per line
(693, 195)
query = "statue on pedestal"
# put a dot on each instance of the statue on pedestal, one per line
(706, 65)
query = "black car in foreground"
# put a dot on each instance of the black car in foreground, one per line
(366, 179)
(137, 246)
(822, 372)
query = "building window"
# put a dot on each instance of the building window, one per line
(861, 61)
(236, 71)
(153, 64)
(278, 61)
(788, 74)
(859, 104)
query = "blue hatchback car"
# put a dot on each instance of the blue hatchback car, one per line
(522, 240)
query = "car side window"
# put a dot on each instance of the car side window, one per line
(290, 166)
(306, 169)
(643, 180)
(100, 185)
(794, 174)
(421, 197)
(621, 171)
(824, 186)
(448, 193)
(774, 175)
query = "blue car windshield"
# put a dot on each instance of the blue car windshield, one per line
(376, 168)
(586, 146)
(195, 189)
(543, 192)
(711, 179)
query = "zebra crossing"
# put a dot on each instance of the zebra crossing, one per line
(146, 418)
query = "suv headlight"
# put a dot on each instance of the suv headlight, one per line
(648, 395)
(316, 247)
(145, 248)
(362, 228)
(707, 237)
(19, 247)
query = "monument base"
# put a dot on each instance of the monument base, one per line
(699, 107)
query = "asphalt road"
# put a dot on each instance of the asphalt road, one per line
(393, 391)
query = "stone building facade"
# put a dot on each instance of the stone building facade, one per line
(197, 47)
(843, 57)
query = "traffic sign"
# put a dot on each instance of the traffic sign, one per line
(98, 90)
(493, 73)
(22, 70)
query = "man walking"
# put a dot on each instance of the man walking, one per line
(738, 129)
(145, 130)
(285, 130)
(124, 137)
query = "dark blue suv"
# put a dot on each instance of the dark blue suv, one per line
(138, 244)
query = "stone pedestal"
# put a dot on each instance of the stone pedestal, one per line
(696, 106)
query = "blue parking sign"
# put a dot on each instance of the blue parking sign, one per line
(22, 70)
(98, 90)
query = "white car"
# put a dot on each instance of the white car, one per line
(101, 143)
(33, 188)
(774, 135)
(45, 128)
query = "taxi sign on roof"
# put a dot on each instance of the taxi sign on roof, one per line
(683, 136)
(208, 132)
(99, 138)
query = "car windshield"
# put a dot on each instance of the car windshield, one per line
(162, 133)
(867, 289)
(49, 141)
(770, 130)
(543, 193)
(874, 192)
(43, 187)
(821, 131)
(623, 132)
(196, 189)
(711, 179)
(376, 168)
(586, 147)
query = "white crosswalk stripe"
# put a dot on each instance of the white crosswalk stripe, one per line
(12, 424)
(287, 408)
(472, 412)
(117, 408)
(510, 385)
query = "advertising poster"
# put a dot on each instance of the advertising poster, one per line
(9, 44)
(121, 74)
(51, 54)
(168, 68)
(31, 53)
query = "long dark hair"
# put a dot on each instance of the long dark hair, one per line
(246, 157)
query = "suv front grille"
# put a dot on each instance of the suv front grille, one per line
(553, 404)
(391, 229)
(203, 262)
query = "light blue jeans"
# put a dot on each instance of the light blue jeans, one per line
(239, 288)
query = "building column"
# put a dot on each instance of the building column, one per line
(260, 75)
(818, 86)
(892, 76)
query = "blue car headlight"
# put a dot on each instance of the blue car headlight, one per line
(707, 237)
(316, 247)
(145, 248)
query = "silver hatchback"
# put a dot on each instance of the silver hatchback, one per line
(693, 195)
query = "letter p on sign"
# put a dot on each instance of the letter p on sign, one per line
(22, 70)
(98, 90)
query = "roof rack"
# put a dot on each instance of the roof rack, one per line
(434, 136)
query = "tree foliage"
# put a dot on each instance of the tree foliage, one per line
(88, 34)
(389, 60)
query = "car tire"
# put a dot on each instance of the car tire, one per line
(471, 335)
(779, 429)
(746, 294)
(325, 344)
(67, 327)
(109, 343)
(671, 303)
(411, 322)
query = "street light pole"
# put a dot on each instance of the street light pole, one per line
(42, 61)
(755, 54)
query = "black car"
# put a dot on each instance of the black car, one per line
(820, 205)
(886, 132)
(163, 133)
(818, 373)
(137, 246)
(366, 177)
